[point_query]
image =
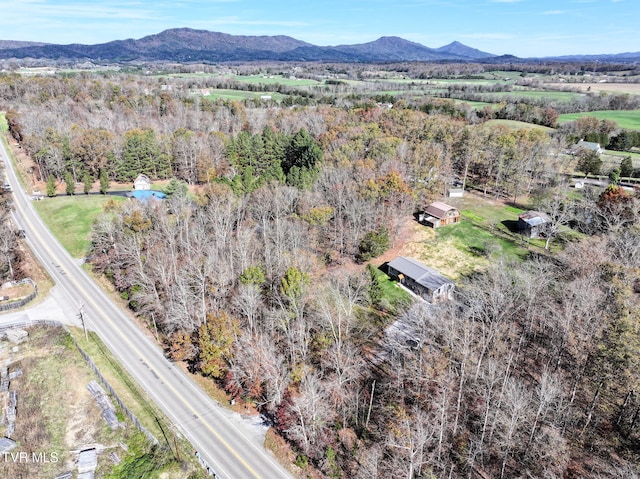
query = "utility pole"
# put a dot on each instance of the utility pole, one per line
(84, 326)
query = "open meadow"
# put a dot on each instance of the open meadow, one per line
(70, 218)
(630, 88)
(628, 119)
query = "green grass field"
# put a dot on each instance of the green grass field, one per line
(629, 119)
(70, 219)
(487, 231)
(564, 96)
(241, 95)
(3, 123)
(274, 80)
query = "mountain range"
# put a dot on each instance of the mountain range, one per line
(189, 45)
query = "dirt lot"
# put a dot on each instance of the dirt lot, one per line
(55, 414)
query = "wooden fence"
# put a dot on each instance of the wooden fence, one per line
(30, 323)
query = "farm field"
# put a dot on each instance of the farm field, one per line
(70, 219)
(241, 95)
(628, 119)
(475, 104)
(631, 88)
(518, 125)
(534, 95)
(275, 80)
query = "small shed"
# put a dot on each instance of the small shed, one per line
(534, 224)
(456, 192)
(142, 182)
(439, 214)
(426, 282)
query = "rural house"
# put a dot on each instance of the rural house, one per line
(439, 214)
(142, 182)
(534, 224)
(424, 281)
(589, 146)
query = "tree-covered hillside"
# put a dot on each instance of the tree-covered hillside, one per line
(254, 272)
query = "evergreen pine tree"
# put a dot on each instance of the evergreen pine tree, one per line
(87, 182)
(104, 181)
(70, 184)
(51, 186)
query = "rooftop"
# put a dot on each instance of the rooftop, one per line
(438, 209)
(534, 218)
(420, 273)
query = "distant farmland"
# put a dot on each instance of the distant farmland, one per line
(625, 119)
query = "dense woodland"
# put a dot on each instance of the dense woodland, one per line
(256, 277)
(10, 255)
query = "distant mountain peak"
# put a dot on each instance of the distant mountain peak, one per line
(462, 50)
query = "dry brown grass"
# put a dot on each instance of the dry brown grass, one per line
(631, 88)
(55, 413)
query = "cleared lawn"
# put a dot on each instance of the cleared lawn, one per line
(70, 219)
(488, 230)
(629, 119)
(394, 295)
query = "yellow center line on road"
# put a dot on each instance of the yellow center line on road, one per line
(133, 347)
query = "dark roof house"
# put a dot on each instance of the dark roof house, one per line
(534, 224)
(439, 214)
(426, 282)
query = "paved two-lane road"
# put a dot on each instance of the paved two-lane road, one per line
(229, 446)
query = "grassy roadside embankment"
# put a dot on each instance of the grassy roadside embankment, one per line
(70, 219)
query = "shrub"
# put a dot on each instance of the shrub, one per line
(373, 244)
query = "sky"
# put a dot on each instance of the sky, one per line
(525, 28)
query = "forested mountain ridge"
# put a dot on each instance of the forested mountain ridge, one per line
(255, 278)
(189, 45)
